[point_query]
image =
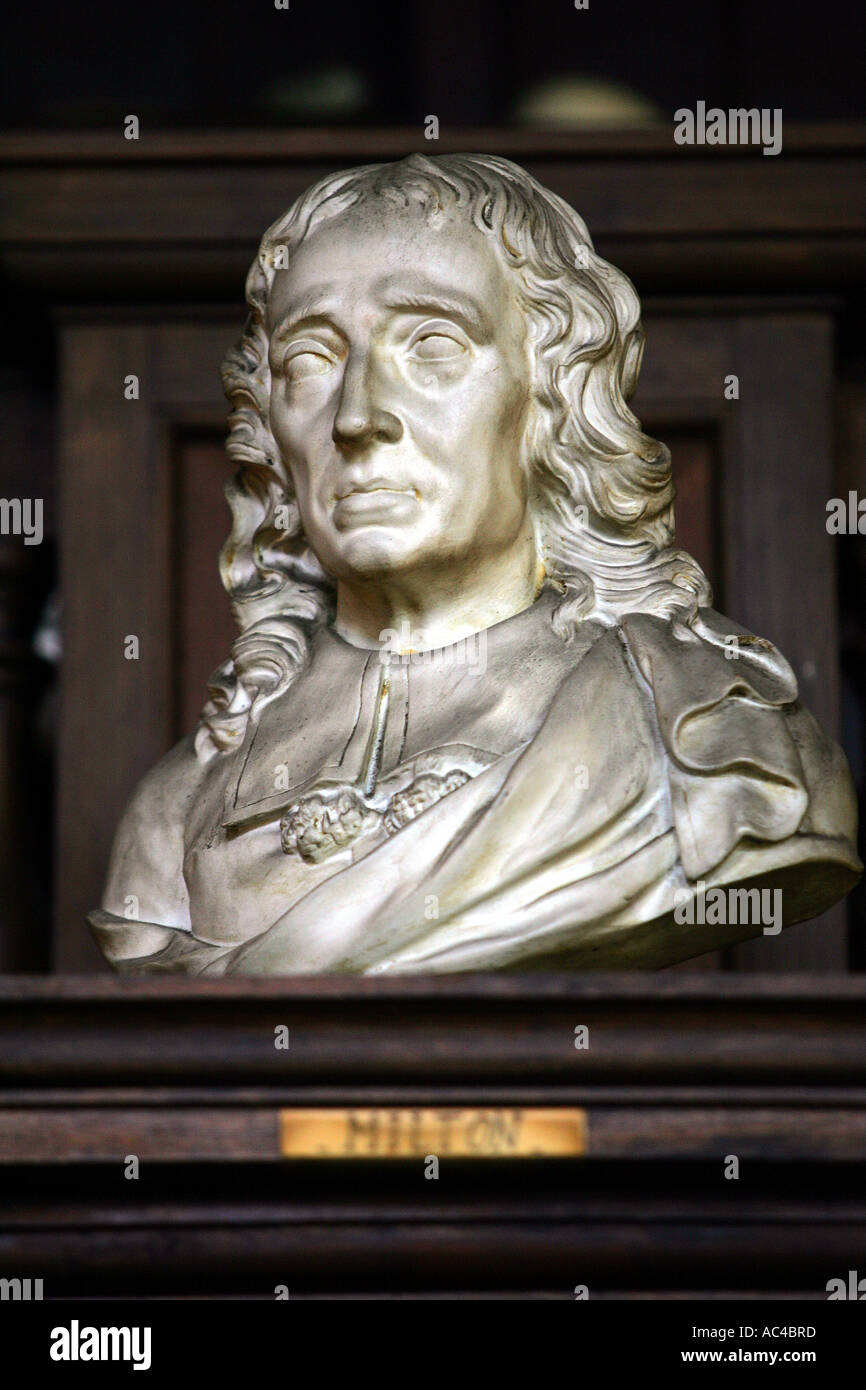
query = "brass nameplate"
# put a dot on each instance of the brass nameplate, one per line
(443, 1131)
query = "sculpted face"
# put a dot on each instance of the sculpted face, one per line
(400, 384)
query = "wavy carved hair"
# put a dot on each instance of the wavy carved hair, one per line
(601, 489)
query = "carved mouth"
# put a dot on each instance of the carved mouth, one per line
(370, 505)
(378, 487)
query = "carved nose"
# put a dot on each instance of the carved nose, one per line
(359, 416)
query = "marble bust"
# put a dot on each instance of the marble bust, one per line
(480, 713)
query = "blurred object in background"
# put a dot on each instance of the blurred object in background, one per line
(582, 102)
(320, 96)
(48, 639)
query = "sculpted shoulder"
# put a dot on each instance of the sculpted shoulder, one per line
(145, 877)
(750, 768)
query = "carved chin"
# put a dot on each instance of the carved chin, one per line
(386, 546)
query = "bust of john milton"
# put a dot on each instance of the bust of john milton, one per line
(480, 713)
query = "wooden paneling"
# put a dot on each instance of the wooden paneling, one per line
(850, 475)
(127, 514)
(177, 216)
(695, 464)
(678, 1075)
(781, 567)
(27, 683)
(773, 561)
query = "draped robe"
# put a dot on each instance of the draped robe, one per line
(517, 801)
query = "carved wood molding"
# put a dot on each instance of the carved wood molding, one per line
(678, 1075)
(176, 215)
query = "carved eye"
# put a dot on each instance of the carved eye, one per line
(436, 347)
(307, 363)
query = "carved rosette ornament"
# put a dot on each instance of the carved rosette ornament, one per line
(481, 712)
(329, 819)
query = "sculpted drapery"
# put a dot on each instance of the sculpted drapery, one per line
(711, 771)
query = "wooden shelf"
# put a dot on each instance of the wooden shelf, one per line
(680, 1073)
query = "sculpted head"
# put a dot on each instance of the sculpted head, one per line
(400, 384)
(434, 379)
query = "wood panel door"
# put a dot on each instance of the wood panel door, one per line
(757, 502)
(140, 535)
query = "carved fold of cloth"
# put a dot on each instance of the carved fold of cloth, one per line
(669, 758)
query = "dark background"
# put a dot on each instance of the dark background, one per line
(468, 61)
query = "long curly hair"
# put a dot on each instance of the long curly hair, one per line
(601, 491)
